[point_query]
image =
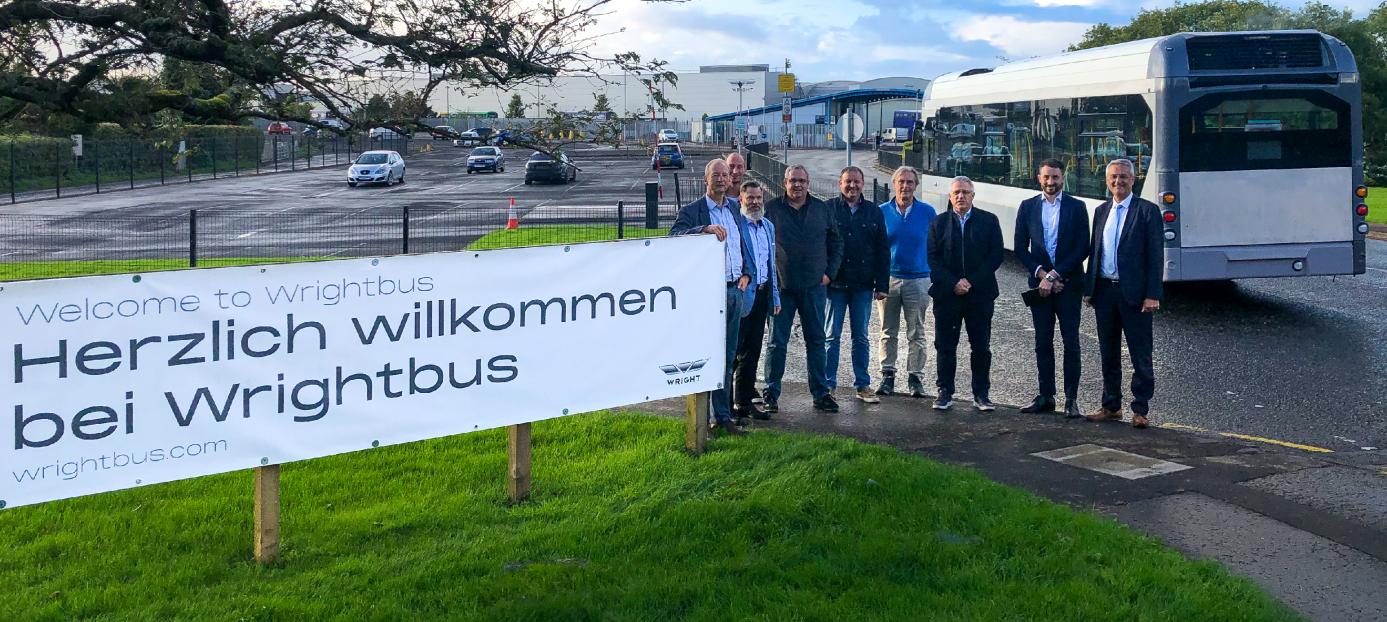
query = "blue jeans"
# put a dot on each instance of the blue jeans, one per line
(721, 400)
(857, 303)
(809, 303)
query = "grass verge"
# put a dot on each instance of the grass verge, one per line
(622, 525)
(1377, 205)
(558, 234)
(55, 269)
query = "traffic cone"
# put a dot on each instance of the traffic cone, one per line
(512, 220)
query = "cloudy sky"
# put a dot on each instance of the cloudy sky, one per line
(860, 39)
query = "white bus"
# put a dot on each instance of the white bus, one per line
(1250, 143)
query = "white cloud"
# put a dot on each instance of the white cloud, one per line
(1020, 39)
(1057, 3)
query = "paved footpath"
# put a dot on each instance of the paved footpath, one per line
(1310, 528)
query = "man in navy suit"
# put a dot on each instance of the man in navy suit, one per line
(717, 214)
(1052, 242)
(1123, 285)
(964, 251)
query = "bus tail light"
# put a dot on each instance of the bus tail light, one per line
(1363, 227)
(1168, 216)
(1169, 235)
(1168, 198)
(1361, 192)
(1362, 209)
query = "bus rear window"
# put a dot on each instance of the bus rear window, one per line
(1266, 130)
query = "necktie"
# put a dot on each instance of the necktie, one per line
(1114, 235)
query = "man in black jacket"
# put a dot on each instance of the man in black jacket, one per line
(1124, 286)
(808, 250)
(864, 276)
(965, 250)
(1052, 242)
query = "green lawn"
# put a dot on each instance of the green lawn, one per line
(622, 525)
(53, 269)
(1377, 205)
(541, 235)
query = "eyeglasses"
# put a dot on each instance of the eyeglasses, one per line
(798, 180)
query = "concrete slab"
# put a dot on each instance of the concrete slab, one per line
(1113, 462)
(1358, 494)
(1319, 578)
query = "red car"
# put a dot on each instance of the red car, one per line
(279, 127)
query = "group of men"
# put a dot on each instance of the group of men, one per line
(827, 261)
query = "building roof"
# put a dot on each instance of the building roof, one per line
(854, 95)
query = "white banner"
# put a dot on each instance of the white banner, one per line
(122, 381)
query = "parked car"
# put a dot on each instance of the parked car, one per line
(474, 136)
(382, 133)
(542, 167)
(486, 159)
(442, 132)
(377, 167)
(279, 127)
(667, 155)
(667, 136)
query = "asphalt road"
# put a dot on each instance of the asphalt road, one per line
(1299, 360)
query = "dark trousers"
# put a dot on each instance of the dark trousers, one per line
(809, 304)
(749, 339)
(951, 313)
(1118, 318)
(1064, 307)
(721, 398)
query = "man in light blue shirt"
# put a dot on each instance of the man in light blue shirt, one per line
(762, 300)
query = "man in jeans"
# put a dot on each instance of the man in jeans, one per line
(864, 276)
(907, 222)
(806, 237)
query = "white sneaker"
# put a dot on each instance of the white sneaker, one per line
(867, 395)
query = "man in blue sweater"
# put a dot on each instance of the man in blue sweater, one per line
(907, 222)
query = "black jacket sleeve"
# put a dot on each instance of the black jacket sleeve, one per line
(687, 221)
(834, 243)
(1155, 251)
(1021, 241)
(1070, 259)
(992, 254)
(881, 263)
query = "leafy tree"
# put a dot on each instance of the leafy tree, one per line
(107, 60)
(600, 103)
(516, 108)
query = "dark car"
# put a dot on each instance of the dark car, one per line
(486, 159)
(543, 167)
(667, 155)
(442, 132)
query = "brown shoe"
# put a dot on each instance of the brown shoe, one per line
(1139, 421)
(1103, 414)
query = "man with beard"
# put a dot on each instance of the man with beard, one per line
(762, 298)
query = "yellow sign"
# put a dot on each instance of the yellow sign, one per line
(786, 83)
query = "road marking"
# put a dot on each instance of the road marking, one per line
(1261, 439)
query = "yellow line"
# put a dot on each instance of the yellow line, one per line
(1273, 441)
(1181, 426)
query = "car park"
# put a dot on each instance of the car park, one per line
(279, 127)
(667, 136)
(544, 167)
(667, 155)
(377, 167)
(486, 159)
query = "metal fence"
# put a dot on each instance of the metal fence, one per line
(48, 246)
(53, 168)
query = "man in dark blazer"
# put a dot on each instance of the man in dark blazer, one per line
(1123, 285)
(808, 252)
(716, 214)
(1051, 241)
(964, 250)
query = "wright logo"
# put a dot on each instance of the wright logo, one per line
(683, 372)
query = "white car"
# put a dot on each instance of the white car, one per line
(668, 136)
(382, 133)
(377, 167)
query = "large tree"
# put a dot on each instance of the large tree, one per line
(1364, 36)
(101, 60)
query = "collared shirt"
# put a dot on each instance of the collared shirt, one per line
(1112, 236)
(1050, 222)
(906, 213)
(852, 207)
(732, 246)
(963, 220)
(761, 245)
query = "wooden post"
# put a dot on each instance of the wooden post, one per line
(267, 514)
(696, 428)
(518, 483)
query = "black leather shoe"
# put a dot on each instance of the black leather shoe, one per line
(772, 405)
(888, 385)
(1041, 404)
(917, 388)
(751, 411)
(826, 404)
(1071, 409)
(727, 427)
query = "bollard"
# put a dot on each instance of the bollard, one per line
(620, 220)
(652, 205)
(678, 196)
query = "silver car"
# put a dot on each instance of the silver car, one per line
(377, 167)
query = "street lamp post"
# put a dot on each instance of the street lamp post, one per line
(740, 86)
